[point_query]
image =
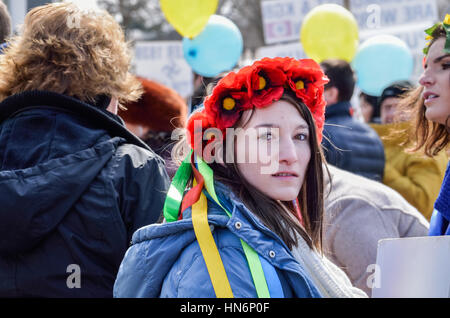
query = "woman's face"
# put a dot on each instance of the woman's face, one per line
(273, 151)
(436, 82)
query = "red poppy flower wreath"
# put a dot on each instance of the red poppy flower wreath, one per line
(259, 85)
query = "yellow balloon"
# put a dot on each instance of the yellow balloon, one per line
(329, 31)
(188, 17)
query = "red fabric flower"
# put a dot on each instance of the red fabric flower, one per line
(310, 73)
(259, 85)
(266, 82)
(228, 99)
(306, 79)
(198, 122)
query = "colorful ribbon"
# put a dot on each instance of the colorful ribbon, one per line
(209, 249)
(204, 177)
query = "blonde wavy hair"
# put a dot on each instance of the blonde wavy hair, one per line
(70, 51)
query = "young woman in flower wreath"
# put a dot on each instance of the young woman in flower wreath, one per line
(433, 114)
(241, 230)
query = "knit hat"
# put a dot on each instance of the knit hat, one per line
(160, 108)
(397, 89)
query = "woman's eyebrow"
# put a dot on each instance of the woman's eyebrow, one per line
(276, 126)
(440, 58)
(303, 126)
(267, 125)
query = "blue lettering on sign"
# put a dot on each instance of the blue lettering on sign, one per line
(171, 70)
(389, 17)
(305, 8)
(365, 3)
(419, 12)
(174, 52)
(361, 19)
(278, 10)
(148, 52)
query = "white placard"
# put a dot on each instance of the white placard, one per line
(282, 19)
(163, 61)
(379, 14)
(416, 267)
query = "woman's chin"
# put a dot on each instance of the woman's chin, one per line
(284, 196)
(432, 115)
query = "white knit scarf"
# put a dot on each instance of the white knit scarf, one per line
(329, 279)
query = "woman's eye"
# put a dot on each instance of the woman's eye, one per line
(301, 137)
(266, 136)
(446, 66)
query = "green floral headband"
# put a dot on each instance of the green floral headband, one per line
(446, 25)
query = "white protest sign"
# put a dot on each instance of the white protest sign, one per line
(294, 50)
(282, 19)
(405, 19)
(413, 267)
(379, 14)
(163, 61)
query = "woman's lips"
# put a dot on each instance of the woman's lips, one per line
(429, 97)
(285, 175)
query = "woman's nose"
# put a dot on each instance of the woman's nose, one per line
(426, 79)
(288, 151)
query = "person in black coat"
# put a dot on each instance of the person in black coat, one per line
(348, 144)
(74, 182)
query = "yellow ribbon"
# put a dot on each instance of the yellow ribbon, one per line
(209, 249)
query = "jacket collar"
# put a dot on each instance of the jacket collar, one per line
(98, 114)
(216, 216)
(338, 109)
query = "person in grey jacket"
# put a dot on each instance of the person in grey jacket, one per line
(74, 182)
(358, 213)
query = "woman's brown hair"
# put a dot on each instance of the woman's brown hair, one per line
(429, 136)
(278, 216)
(66, 50)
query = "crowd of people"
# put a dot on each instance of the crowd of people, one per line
(273, 188)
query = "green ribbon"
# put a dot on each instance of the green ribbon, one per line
(176, 190)
(253, 260)
(172, 207)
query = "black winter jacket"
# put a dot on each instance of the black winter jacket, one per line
(354, 146)
(74, 186)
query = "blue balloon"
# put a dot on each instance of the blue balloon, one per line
(216, 49)
(380, 61)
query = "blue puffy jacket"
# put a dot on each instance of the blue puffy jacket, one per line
(440, 220)
(165, 260)
(74, 186)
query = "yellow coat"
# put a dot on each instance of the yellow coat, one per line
(416, 177)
